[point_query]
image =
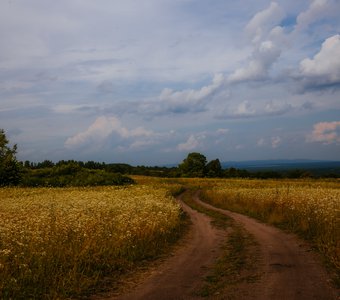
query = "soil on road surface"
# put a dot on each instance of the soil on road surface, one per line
(181, 276)
(288, 269)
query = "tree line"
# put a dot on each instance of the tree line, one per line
(79, 173)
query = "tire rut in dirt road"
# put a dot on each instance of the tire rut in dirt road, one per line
(180, 276)
(289, 269)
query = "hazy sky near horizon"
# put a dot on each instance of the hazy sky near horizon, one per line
(147, 82)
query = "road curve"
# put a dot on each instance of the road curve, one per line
(182, 274)
(289, 269)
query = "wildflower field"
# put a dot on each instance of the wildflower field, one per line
(310, 208)
(57, 243)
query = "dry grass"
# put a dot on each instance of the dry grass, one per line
(61, 243)
(58, 243)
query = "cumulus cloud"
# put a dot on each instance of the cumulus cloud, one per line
(324, 67)
(190, 100)
(201, 139)
(257, 69)
(264, 21)
(191, 143)
(326, 133)
(315, 11)
(62, 59)
(256, 108)
(101, 130)
(265, 35)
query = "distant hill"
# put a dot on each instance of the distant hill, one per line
(284, 166)
(315, 166)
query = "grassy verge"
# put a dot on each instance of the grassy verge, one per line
(237, 262)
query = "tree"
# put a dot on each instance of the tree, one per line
(193, 165)
(27, 164)
(10, 170)
(45, 164)
(213, 168)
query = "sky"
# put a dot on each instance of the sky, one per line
(147, 82)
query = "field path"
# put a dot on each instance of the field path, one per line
(288, 269)
(180, 276)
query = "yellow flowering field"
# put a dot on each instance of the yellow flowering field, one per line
(308, 207)
(57, 243)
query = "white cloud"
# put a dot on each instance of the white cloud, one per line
(101, 129)
(324, 67)
(266, 36)
(202, 139)
(262, 22)
(275, 141)
(113, 40)
(65, 63)
(264, 56)
(315, 11)
(256, 108)
(97, 132)
(253, 71)
(244, 109)
(278, 36)
(187, 100)
(191, 144)
(325, 132)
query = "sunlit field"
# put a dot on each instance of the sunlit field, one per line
(308, 207)
(61, 242)
(58, 243)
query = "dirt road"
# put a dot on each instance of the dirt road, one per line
(183, 273)
(288, 269)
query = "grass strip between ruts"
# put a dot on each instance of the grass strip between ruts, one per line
(239, 254)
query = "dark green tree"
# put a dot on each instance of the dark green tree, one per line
(213, 168)
(27, 164)
(45, 164)
(193, 165)
(10, 169)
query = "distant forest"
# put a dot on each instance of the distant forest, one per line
(91, 173)
(212, 169)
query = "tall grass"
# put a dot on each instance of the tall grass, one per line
(58, 243)
(310, 208)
